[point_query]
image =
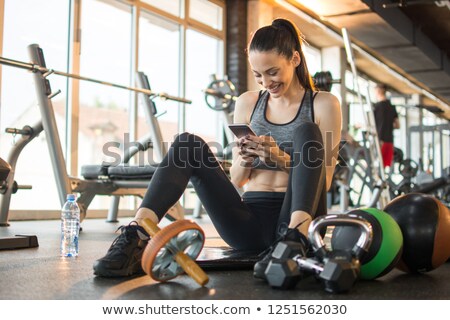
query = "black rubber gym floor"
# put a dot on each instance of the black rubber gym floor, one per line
(40, 274)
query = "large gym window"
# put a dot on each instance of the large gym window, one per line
(23, 25)
(117, 38)
(159, 59)
(105, 55)
(202, 55)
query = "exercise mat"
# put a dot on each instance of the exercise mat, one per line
(226, 258)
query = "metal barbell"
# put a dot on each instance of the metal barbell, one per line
(48, 71)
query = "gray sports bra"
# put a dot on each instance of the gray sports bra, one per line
(281, 133)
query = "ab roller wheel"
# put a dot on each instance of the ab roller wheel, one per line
(173, 250)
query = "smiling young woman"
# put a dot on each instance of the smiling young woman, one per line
(285, 169)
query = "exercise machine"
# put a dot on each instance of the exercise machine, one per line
(113, 181)
(412, 180)
(436, 147)
(370, 153)
(18, 241)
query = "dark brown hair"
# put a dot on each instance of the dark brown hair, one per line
(381, 86)
(283, 37)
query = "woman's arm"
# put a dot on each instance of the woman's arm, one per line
(240, 169)
(328, 117)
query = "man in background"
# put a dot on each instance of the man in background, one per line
(386, 119)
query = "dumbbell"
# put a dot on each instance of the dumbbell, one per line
(173, 250)
(338, 269)
(323, 80)
(338, 273)
(282, 272)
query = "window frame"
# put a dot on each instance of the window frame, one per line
(74, 32)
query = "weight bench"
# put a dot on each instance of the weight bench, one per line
(127, 174)
(130, 176)
(121, 172)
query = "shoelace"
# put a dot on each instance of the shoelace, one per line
(281, 238)
(125, 237)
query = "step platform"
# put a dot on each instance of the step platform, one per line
(226, 258)
(19, 242)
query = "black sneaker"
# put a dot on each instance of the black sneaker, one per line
(124, 256)
(291, 235)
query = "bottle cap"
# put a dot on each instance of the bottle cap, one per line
(71, 197)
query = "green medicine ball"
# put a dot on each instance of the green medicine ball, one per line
(387, 244)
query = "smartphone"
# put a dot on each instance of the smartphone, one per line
(241, 129)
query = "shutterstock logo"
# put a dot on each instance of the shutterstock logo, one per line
(119, 152)
(198, 152)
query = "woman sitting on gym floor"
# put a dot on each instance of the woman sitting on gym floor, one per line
(286, 169)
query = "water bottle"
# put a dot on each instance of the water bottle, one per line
(70, 227)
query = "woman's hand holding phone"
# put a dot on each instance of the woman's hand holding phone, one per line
(252, 146)
(263, 147)
(246, 147)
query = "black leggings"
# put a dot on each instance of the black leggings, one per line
(253, 221)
